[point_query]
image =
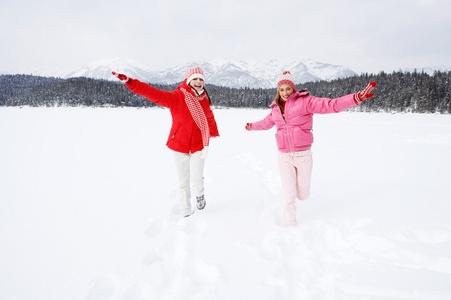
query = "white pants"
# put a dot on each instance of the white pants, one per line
(296, 172)
(190, 171)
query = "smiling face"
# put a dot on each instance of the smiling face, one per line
(197, 84)
(285, 91)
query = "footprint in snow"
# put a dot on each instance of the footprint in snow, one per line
(268, 179)
(176, 259)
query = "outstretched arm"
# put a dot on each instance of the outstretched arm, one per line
(326, 106)
(265, 124)
(158, 97)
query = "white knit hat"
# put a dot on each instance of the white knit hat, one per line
(194, 73)
(286, 78)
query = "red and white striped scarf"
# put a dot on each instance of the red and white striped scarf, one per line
(198, 115)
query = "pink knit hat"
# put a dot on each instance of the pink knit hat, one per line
(286, 78)
(194, 73)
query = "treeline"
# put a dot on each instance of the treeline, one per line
(28, 90)
(396, 92)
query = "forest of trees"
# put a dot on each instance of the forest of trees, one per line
(396, 92)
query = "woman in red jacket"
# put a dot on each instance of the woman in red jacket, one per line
(193, 123)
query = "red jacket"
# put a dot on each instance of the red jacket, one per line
(185, 136)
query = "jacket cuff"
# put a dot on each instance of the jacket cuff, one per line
(356, 99)
(131, 83)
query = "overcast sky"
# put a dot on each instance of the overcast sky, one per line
(364, 35)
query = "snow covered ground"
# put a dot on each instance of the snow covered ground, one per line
(88, 210)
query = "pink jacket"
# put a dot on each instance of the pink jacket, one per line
(294, 129)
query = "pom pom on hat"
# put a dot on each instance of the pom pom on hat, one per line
(194, 73)
(286, 78)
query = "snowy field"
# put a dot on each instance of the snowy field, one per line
(88, 210)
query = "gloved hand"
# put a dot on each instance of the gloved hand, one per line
(365, 94)
(121, 77)
(249, 126)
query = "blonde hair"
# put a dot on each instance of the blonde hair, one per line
(278, 101)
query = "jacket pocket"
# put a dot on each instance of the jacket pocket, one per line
(280, 139)
(302, 137)
(175, 130)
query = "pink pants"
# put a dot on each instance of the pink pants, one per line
(296, 172)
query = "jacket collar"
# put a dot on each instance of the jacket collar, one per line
(295, 96)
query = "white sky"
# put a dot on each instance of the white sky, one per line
(364, 35)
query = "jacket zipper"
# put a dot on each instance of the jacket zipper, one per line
(288, 135)
(286, 126)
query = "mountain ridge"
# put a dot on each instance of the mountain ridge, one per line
(220, 72)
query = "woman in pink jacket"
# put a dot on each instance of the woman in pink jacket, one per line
(193, 124)
(292, 114)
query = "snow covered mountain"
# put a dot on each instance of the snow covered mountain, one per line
(221, 72)
(254, 74)
(103, 69)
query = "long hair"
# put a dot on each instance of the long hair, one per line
(279, 102)
(208, 95)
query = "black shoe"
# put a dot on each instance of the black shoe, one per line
(200, 202)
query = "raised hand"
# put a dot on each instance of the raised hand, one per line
(365, 94)
(121, 77)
